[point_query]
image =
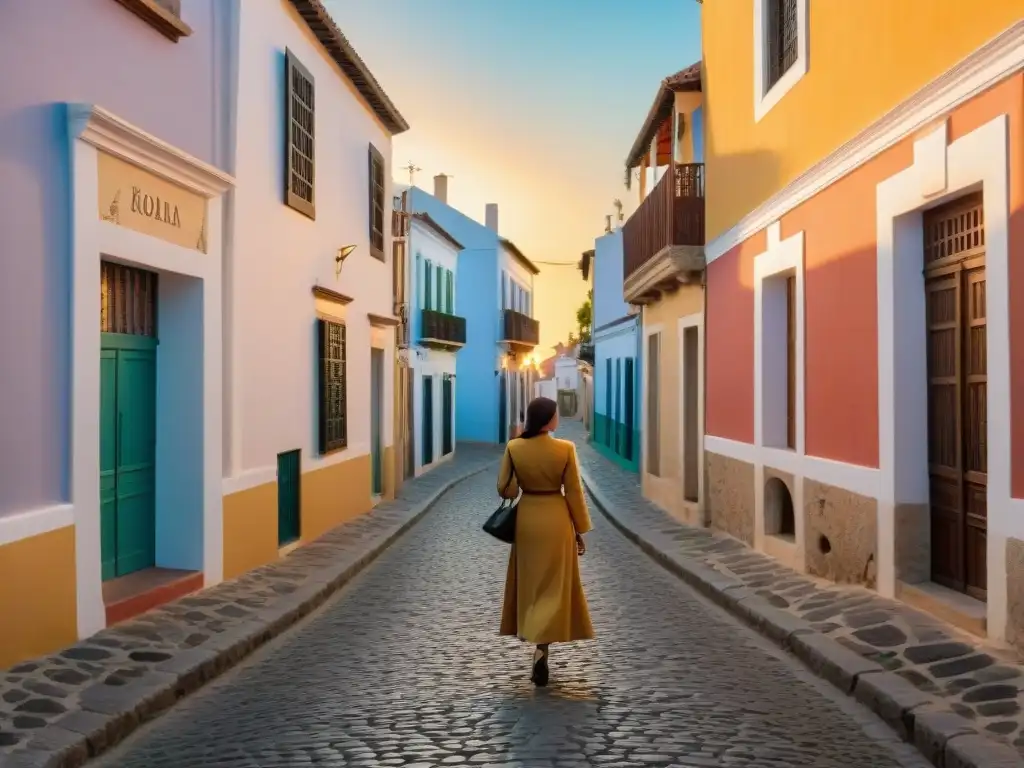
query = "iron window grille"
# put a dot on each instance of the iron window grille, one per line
(333, 380)
(782, 38)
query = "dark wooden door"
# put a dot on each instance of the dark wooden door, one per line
(446, 414)
(428, 420)
(957, 395)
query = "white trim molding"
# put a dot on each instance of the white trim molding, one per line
(645, 373)
(766, 98)
(696, 320)
(941, 172)
(35, 522)
(109, 133)
(996, 60)
(782, 259)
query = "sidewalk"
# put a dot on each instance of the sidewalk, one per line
(63, 709)
(959, 702)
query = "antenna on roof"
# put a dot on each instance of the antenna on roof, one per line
(411, 168)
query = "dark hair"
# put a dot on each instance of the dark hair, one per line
(539, 413)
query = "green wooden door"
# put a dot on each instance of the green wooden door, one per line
(289, 477)
(127, 454)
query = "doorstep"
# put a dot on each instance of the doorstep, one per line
(60, 710)
(128, 596)
(955, 608)
(959, 701)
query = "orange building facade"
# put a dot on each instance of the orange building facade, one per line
(865, 362)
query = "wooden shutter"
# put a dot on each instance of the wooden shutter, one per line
(332, 385)
(300, 123)
(427, 295)
(376, 206)
(451, 292)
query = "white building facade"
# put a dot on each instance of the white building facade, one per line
(308, 320)
(437, 334)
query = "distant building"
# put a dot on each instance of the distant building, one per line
(494, 294)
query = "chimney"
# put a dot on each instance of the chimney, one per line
(491, 216)
(608, 223)
(441, 187)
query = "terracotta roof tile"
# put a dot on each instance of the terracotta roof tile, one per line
(687, 79)
(319, 21)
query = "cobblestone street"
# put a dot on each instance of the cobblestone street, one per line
(404, 668)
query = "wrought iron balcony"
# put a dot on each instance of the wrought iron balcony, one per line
(520, 329)
(441, 329)
(586, 353)
(672, 215)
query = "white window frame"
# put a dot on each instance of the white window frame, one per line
(765, 100)
(783, 258)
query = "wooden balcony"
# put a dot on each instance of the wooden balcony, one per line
(519, 329)
(438, 329)
(663, 241)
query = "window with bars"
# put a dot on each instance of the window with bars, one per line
(127, 300)
(782, 39)
(333, 421)
(300, 133)
(376, 203)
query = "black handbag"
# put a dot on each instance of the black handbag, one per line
(502, 522)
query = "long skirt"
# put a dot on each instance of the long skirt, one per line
(544, 599)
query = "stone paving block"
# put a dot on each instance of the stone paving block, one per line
(67, 747)
(779, 625)
(838, 665)
(973, 751)
(933, 728)
(893, 699)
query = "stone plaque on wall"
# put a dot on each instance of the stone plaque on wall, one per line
(136, 199)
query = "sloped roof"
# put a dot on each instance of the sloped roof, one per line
(519, 255)
(684, 80)
(438, 229)
(320, 23)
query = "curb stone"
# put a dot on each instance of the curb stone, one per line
(110, 713)
(946, 739)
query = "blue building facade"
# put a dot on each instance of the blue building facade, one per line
(494, 294)
(615, 430)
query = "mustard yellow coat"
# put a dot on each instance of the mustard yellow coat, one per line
(544, 600)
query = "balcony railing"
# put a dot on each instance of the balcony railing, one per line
(673, 214)
(442, 328)
(586, 353)
(518, 328)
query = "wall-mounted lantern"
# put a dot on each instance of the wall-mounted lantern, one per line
(343, 254)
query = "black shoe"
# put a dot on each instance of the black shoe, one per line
(540, 669)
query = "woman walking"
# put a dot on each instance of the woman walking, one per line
(544, 600)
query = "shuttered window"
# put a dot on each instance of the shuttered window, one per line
(376, 160)
(300, 134)
(451, 293)
(427, 282)
(333, 426)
